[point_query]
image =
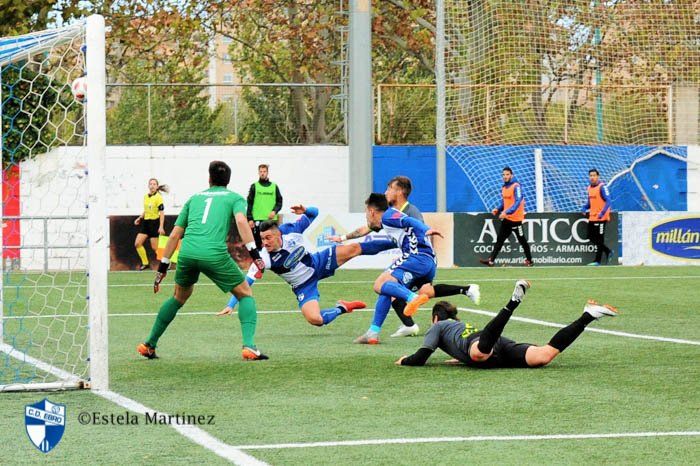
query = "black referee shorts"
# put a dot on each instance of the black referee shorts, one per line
(150, 227)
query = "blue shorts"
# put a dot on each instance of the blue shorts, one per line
(414, 270)
(325, 265)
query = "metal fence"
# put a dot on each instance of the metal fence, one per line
(522, 114)
(190, 113)
(300, 114)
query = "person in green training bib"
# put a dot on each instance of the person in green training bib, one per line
(206, 217)
(264, 202)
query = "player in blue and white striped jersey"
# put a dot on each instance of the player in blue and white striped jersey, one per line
(284, 254)
(414, 269)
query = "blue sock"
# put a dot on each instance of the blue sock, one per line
(395, 290)
(381, 310)
(233, 301)
(370, 248)
(329, 315)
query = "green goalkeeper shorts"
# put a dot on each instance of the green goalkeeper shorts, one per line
(222, 270)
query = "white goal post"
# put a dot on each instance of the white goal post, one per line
(55, 254)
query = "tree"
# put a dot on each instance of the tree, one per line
(156, 41)
(300, 42)
(22, 16)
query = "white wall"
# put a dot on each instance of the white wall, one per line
(55, 185)
(312, 175)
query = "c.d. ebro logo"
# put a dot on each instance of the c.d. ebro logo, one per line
(678, 237)
(45, 422)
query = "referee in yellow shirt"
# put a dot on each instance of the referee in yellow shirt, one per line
(151, 220)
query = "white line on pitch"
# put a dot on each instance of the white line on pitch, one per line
(479, 438)
(366, 282)
(588, 329)
(465, 309)
(197, 435)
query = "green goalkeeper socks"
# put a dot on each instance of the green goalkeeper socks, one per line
(248, 315)
(165, 316)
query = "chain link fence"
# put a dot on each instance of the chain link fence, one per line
(164, 114)
(524, 114)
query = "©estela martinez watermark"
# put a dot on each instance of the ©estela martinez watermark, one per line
(97, 418)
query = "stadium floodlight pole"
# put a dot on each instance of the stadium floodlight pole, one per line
(97, 264)
(440, 129)
(539, 181)
(361, 121)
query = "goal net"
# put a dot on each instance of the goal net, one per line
(553, 89)
(53, 286)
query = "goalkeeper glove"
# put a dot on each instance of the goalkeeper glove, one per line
(160, 275)
(255, 255)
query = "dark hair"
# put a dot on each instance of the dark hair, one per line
(594, 170)
(161, 187)
(263, 165)
(378, 201)
(444, 310)
(267, 225)
(219, 173)
(404, 184)
(508, 169)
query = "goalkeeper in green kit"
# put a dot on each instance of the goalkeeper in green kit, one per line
(206, 217)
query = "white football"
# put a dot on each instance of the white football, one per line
(79, 88)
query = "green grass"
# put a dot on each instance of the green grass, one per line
(318, 386)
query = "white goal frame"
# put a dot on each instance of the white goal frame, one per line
(98, 238)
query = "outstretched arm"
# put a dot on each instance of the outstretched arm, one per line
(252, 275)
(308, 215)
(430, 344)
(419, 358)
(357, 233)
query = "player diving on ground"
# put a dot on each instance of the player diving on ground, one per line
(487, 349)
(284, 253)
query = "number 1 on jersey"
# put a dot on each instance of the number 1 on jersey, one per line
(206, 209)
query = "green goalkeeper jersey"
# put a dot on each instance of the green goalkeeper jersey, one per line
(206, 218)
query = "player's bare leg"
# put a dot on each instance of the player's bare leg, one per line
(345, 252)
(319, 317)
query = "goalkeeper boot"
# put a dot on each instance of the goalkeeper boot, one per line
(368, 338)
(348, 306)
(413, 305)
(253, 354)
(600, 310)
(487, 262)
(521, 287)
(528, 263)
(594, 264)
(143, 267)
(474, 293)
(147, 351)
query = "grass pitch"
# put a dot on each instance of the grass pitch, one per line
(319, 387)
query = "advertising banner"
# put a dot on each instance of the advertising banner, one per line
(661, 238)
(123, 256)
(554, 238)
